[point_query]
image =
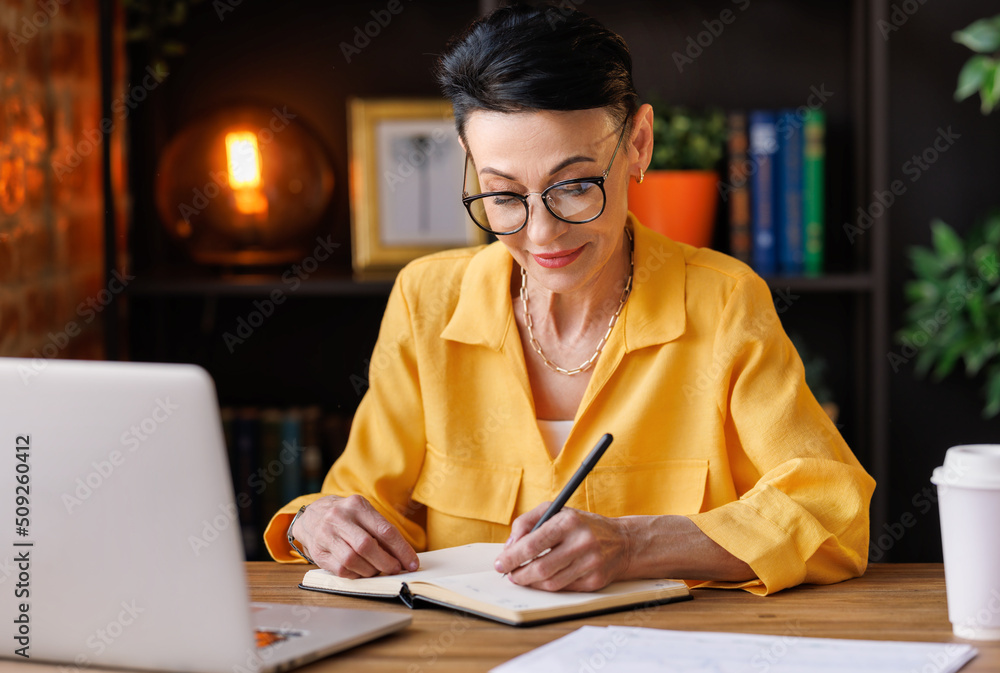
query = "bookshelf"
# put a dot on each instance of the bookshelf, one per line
(316, 352)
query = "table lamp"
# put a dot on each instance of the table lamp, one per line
(244, 187)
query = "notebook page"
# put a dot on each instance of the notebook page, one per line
(454, 560)
(493, 588)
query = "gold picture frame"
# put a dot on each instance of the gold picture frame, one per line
(405, 178)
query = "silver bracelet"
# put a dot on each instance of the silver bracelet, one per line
(291, 538)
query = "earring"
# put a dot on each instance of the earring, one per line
(642, 175)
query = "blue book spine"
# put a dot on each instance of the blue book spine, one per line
(788, 188)
(246, 436)
(763, 147)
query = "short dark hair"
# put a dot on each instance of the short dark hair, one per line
(521, 58)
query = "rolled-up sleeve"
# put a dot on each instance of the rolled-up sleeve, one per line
(802, 510)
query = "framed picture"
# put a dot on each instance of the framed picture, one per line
(406, 171)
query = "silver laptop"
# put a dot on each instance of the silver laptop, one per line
(121, 545)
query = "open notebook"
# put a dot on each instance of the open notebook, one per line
(463, 578)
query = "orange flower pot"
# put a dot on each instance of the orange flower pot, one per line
(678, 204)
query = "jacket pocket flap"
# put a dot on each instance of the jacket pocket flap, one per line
(664, 487)
(468, 489)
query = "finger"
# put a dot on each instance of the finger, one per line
(368, 548)
(523, 524)
(390, 540)
(567, 577)
(532, 545)
(538, 572)
(341, 560)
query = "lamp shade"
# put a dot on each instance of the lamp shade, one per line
(244, 186)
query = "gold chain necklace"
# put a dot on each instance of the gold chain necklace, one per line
(611, 323)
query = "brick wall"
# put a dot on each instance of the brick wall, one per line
(52, 289)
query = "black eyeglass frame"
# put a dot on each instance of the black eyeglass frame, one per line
(523, 198)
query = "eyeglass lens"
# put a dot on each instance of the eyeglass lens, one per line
(574, 202)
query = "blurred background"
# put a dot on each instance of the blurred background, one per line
(200, 181)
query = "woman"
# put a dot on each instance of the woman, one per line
(497, 368)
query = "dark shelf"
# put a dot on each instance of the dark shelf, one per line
(838, 282)
(163, 284)
(167, 284)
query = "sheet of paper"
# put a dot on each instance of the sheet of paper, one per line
(640, 650)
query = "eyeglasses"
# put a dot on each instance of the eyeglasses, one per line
(576, 201)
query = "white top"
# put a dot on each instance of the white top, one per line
(554, 434)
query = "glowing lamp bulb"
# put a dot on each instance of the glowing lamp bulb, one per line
(243, 158)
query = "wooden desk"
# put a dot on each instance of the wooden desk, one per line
(891, 602)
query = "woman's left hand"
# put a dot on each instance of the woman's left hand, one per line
(588, 551)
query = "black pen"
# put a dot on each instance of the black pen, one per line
(570, 488)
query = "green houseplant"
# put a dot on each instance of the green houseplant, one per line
(981, 73)
(679, 192)
(953, 309)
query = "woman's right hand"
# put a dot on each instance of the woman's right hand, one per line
(349, 538)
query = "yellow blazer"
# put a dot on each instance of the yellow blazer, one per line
(702, 390)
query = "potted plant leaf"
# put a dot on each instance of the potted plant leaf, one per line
(981, 73)
(953, 312)
(953, 308)
(679, 192)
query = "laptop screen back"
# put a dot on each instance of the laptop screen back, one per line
(122, 543)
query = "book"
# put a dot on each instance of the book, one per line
(246, 439)
(788, 188)
(463, 578)
(312, 454)
(737, 192)
(814, 156)
(265, 482)
(763, 146)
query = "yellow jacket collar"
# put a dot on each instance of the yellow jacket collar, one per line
(654, 314)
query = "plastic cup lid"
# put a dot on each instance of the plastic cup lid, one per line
(970, 466)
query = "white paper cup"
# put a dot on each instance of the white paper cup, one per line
(968, 487)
